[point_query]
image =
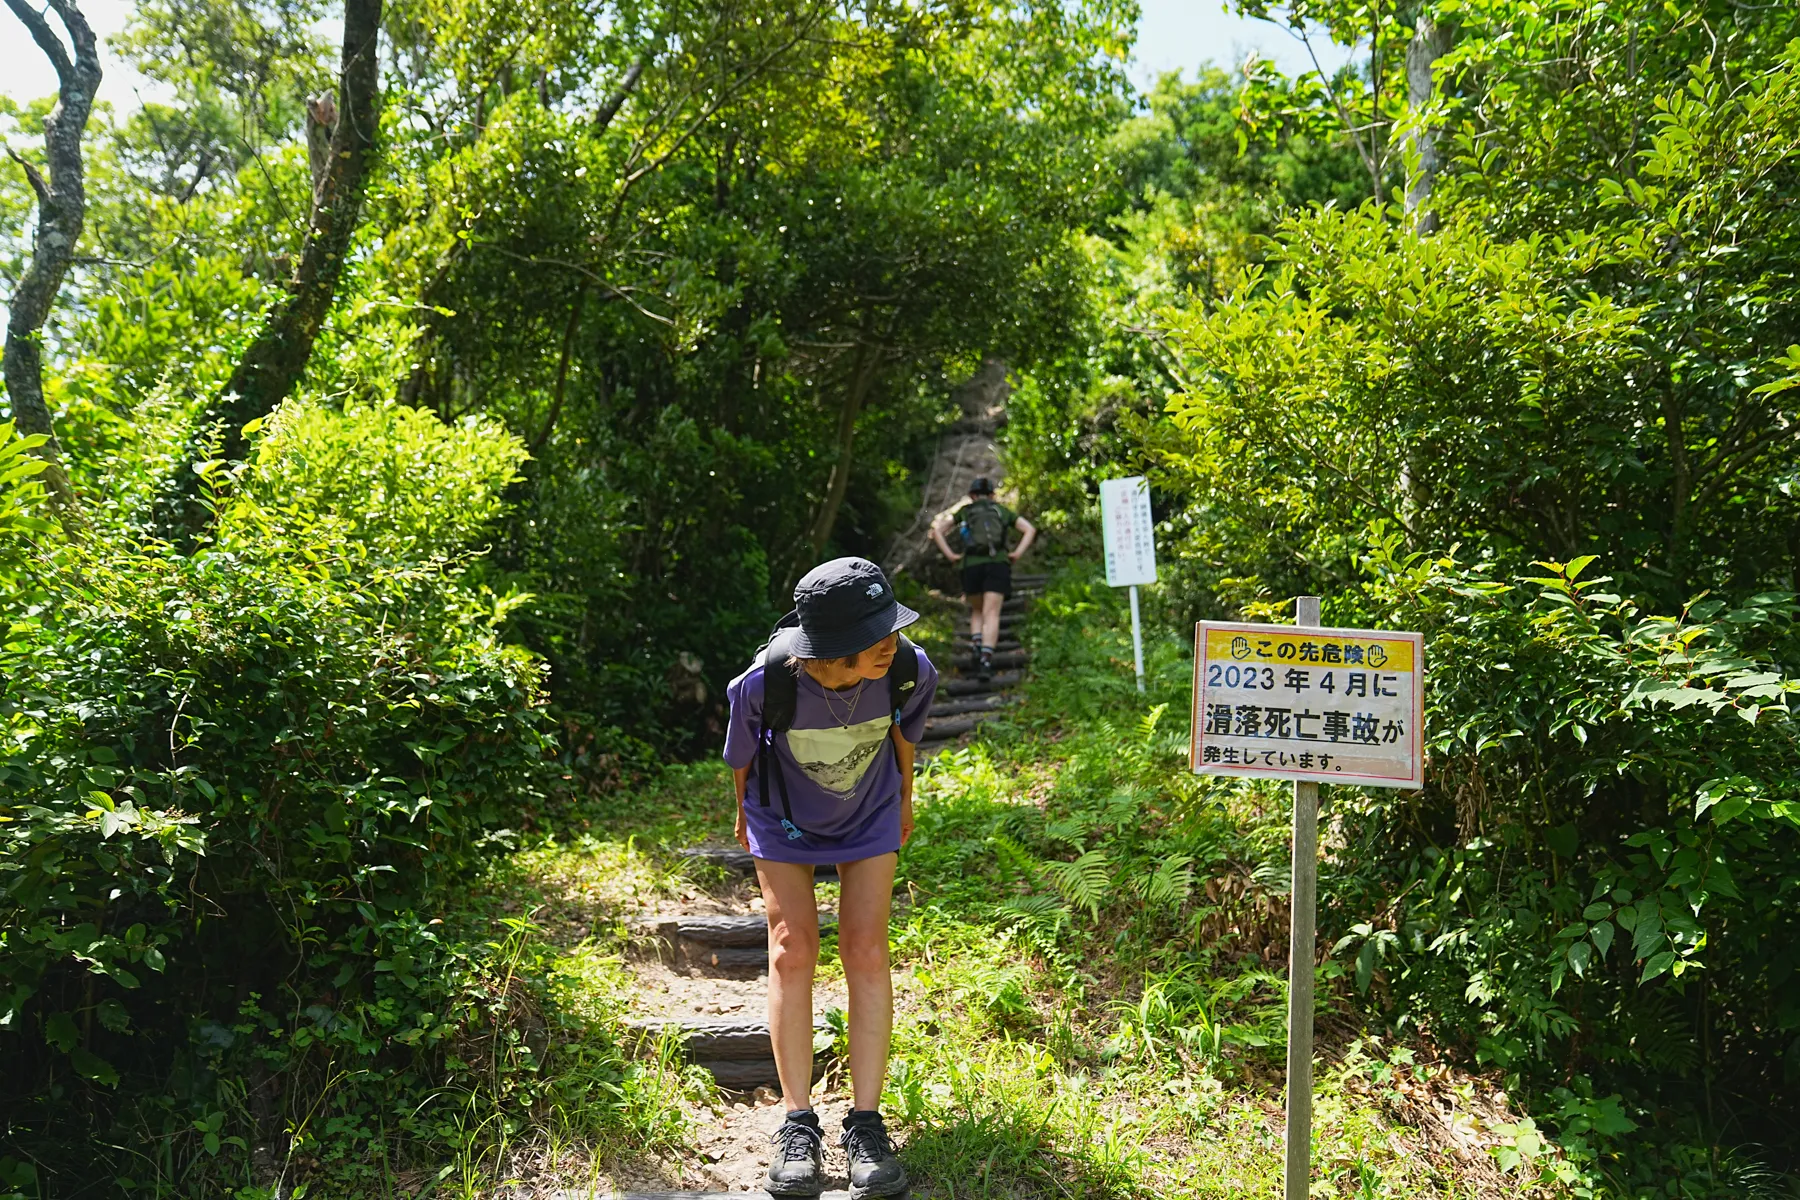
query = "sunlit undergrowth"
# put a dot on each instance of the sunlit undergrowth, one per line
(1091, 951)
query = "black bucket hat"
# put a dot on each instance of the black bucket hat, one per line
(983, 486)
(845, 606)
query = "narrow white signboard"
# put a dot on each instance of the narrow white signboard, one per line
(1329, 705)
(1130, 547)
(1130, 536)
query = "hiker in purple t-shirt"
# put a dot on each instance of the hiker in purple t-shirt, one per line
(823, 757)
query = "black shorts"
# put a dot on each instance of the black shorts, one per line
(987, 577)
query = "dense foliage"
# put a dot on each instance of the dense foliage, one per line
(1545, 416)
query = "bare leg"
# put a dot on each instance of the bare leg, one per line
(976, 615)
(866, 898)
(787, 890)
(990, 618)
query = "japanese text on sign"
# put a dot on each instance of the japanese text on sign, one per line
(1333, 705)
(1129, 532)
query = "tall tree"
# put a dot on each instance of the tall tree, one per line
(276, 359)
(62, 208)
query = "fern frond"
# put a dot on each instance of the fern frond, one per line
(1085, 883)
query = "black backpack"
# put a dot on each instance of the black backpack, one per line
(983, 528)
(781, 696)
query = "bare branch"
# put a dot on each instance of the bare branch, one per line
(616, 101)
(31, 176)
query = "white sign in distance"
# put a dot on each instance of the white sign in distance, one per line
(1291, 702)
(1130, 535)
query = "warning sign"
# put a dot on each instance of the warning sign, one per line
(1289, 702)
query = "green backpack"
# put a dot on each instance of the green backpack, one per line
(983, 528)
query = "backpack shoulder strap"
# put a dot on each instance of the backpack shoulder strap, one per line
(781, 687)
(903, 676)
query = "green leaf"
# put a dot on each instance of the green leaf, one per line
(60, 1032)
(1602, 934)
(1731, 806)
(1657, 965)
(1580, 954)
(89, 1065)
(1598, 911)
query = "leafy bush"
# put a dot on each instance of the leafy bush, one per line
(1584, 885)
(401, 481)
(237, 786)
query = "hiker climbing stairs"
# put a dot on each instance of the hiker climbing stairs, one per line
(966, 701)
(703, 975)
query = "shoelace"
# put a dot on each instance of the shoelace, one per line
(796, 1142)
(867, 1141)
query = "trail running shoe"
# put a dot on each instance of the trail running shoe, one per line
(797, 1165)
(874, 1171)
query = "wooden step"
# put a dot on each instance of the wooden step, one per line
(725, 1039)
(964, 643)
(978, 687)
(955, 727)
(738, 861)
(1002, 658)
(722, 945)
(953, 708)
(738, 1053)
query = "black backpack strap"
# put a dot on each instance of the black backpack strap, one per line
(781, 686)
(781, 696)
(902, 677)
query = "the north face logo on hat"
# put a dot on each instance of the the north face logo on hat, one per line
(874, 590)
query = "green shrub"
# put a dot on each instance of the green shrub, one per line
(401, 481)
(235, 788)
(1585, 886)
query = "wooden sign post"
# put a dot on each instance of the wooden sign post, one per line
(1312, 705)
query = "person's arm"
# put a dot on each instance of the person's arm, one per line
(937, 535)
(903, 757)
(741, 775)
(1030, 534)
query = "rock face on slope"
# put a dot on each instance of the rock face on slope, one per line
(967, 449)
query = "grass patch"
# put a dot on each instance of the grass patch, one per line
(1090, 948)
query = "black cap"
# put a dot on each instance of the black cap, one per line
(845, 606)
(983, 486)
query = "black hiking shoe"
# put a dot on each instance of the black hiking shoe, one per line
(874, 1171)
(985, 668)
(797, 1164)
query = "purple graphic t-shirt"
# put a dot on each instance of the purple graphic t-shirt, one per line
(842, 778)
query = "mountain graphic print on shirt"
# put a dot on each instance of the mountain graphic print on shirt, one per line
(837, 759)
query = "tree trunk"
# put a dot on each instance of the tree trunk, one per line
(1430, 42)
(274, 362)
(862, 375)
(62, 209)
